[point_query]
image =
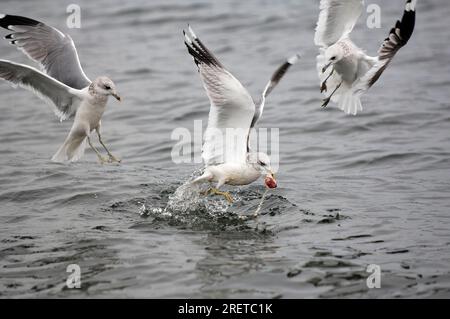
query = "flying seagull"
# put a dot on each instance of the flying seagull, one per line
(232, 114)
(62, 82)
(350, 71)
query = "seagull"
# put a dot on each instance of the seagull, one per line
(62, 83)
(232, 113)
(352, 71)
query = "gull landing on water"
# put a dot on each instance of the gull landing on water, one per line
(231, 107)
(352, 72)
(62, 83)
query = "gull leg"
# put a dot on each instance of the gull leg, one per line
(215, 191)
(323, 87)
(208, 191)
(100, 157)
(112, 158)
(328, 99)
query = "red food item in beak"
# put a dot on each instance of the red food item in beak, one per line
(270, 181)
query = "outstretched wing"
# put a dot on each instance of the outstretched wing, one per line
(231, 110)
(274, 80)
(337, 19)
(52, 49)
(398, 37)
(64, 99)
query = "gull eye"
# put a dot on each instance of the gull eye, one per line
(262, 164)
(107, 87)
(333, 58)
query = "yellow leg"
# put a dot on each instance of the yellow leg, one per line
(100, 157)
(112, 158)
(215, 191)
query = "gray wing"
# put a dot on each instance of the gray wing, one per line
(398, 37)
(337, 19)
(52, 49)
(232, 107)
(274, 80)
(64, 99)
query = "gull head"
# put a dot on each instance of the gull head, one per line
(104, 86)
(261, 162)
(333, 54)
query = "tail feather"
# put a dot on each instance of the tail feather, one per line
(72, 150)
(205, 177)
(350, 103)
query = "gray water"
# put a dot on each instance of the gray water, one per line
(353, 191)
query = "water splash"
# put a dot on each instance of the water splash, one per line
(187, 206)
(185, 199)
(188, 199)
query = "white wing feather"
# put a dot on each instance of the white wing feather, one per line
(231, 111)
(337, 19)
(52, 49)
(64, 100)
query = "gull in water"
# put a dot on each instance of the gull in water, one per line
(62, 82)
(232, 114)
(351, 71)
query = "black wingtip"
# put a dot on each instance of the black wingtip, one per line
(281, 71)
(199, 51)
(7, 20)
(407, 24)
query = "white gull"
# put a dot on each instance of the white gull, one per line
(62, 82)
(232, 111)
(352, 71)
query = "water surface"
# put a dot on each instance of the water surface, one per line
(353, 191)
